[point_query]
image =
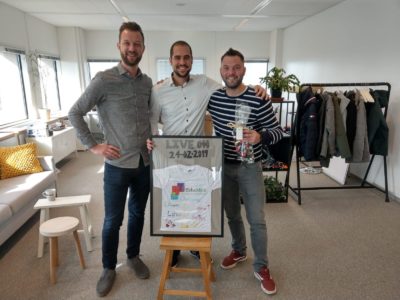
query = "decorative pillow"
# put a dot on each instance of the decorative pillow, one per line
(19, 160)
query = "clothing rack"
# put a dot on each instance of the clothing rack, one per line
(364, 184)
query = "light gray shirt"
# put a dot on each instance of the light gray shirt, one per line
(181, 109)
(122, 104)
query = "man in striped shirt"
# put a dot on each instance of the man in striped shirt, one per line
(243, 176)
(180, 102)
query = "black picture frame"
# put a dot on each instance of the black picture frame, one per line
(186, 186)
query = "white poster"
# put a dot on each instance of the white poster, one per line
(186, 186)
(186, 197)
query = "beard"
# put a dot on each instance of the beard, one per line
(233, 84)
(184, 75)
(129, 62)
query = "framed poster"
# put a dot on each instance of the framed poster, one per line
(186, 186)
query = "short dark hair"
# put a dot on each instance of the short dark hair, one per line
(131, 26)
(233, 52)
(179, 43)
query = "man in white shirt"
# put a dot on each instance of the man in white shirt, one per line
(180, 102)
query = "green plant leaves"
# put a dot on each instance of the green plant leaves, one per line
(277, 79)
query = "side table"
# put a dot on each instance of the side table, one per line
(81, 201)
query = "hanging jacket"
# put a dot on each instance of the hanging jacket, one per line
(342, 144)
(328, 138)
(309, 127)
(321, 123)
(360, 145)
(344, 102)
(378, 131)
(351, 120)
(302, 97)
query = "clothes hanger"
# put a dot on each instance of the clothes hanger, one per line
(365, 95)
(317, 89)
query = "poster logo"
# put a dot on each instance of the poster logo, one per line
(176, 190)
(179, 188)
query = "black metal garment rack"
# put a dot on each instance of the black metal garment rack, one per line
(364, 184)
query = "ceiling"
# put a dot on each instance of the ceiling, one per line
(174, 15)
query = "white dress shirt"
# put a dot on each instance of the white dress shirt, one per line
(181, 109)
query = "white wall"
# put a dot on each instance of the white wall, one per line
(14, 35)
(21, 31)
(355, 41)
(74, 73)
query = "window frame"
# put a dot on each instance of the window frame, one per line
(257, 60)
(89, 61)
(22, 72)
(196, 60)
(55, 62)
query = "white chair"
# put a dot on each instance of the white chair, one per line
(55, 228)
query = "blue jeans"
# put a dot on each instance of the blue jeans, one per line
(117, 182)
(248, 180)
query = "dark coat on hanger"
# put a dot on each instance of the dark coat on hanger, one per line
(309, 125)
(351, 119)
(321, 123)
(378, 131)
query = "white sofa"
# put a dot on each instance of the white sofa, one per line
(19, 194)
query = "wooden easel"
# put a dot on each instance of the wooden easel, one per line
(201, 244)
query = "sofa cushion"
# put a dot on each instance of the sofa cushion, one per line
(19, 160)
(17, 191)
(5, 213)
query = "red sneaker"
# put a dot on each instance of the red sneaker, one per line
(267, 283)
(232, 259)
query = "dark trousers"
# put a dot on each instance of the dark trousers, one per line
(117, 183)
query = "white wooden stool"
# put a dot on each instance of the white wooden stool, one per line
(54, 228)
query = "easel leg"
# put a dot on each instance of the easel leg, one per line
(165, 273)
(210, 269)
(206, 276)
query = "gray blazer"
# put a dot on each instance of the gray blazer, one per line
(360, 145)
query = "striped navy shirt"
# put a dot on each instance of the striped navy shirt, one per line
(261, 119)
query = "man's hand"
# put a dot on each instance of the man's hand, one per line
(261, 92)
(149, 145)
(108, 151)
(251, 136)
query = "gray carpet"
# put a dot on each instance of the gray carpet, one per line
(340, 244)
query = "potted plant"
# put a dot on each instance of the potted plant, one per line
(278, 82)
(274, 190)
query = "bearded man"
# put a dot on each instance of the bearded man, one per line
(121, 96)
(180, 102)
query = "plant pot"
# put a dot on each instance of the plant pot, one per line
(276, 93)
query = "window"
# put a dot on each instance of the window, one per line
(13, 70)
(254, 70)
(49, 68)
(96, 66)
(164, 68)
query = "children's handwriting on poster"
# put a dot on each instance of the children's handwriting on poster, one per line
(187, 148)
